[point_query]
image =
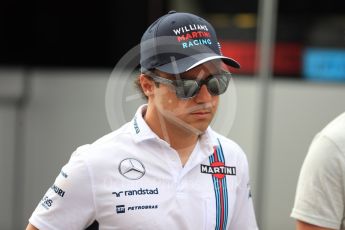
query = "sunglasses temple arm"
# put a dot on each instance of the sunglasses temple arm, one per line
(163, 80)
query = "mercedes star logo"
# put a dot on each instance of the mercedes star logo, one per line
(131, 168)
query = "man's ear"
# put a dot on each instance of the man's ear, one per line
(147, 84)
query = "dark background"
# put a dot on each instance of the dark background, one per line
(78, 33)
(98, 33)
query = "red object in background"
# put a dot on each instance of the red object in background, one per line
(243, 52)
(287, 57)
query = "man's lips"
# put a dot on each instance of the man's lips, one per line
(201, 112)
(198, 109)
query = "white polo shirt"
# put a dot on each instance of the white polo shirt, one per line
(132, 179)
(320, 196)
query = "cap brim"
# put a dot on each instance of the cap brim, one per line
(188, 63)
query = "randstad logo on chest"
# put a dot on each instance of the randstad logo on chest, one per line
(193, 35)
(134, 192)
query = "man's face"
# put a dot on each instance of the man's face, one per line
(194, 114)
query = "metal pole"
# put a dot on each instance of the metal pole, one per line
(19, 156)
(266, 29)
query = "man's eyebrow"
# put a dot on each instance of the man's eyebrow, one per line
(178, 77)
(185, 77)
(195, 78)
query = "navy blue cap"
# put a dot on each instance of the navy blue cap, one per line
(178, 42)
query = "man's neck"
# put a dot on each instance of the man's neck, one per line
(179, 138)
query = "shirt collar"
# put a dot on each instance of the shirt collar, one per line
(139, 128)
(207, 141)
(141, 132)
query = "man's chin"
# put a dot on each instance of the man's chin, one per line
(195, 128)
(192, 126)
(201, 127)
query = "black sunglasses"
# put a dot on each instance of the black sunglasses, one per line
(216, 84)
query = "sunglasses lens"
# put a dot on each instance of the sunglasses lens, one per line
(187, 88)
(218, 84)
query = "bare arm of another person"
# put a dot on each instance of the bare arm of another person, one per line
(300, 225)
(31, 227)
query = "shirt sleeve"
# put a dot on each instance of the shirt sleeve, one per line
(68, 203)
(244, 218)
(319, 196)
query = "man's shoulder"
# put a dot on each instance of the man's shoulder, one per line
(109, 142)
(116, 136)
(335, 131)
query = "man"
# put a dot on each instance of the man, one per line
(166, 169)
(320, 196)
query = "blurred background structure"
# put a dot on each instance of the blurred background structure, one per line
(56, 58)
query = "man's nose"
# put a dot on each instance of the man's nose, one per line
(203, 95)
